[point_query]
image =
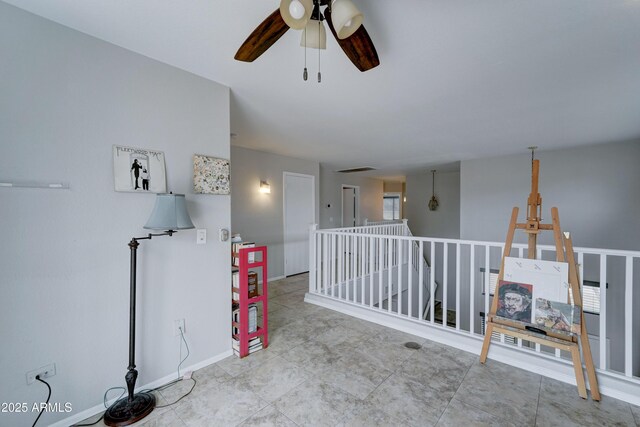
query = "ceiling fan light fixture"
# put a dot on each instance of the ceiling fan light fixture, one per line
(316, 35)
(346, 18)
(296, 9)
(291, 12)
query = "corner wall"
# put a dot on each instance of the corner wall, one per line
(258, 217)
(443, 222)
(64, 261)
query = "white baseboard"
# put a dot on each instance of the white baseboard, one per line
(154, 384)
(610, 383)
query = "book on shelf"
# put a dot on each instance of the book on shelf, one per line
(251, 350)
(253, 319)
(235, 249)
(252, 282)
(253, 343)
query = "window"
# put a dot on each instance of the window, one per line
(391, 207)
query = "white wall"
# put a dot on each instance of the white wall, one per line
(256, 216)
(597, 192)
(443, 222)
(371, 193)
(64, 261)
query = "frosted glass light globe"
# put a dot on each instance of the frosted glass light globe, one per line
(296, 9)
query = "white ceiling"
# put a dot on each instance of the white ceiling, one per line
(458, 79)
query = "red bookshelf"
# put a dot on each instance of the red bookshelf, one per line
(244, 267)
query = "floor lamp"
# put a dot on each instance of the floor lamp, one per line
(169, 214)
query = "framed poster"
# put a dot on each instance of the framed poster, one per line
(210, 175)
(138, 170)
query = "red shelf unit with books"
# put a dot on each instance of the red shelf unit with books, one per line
(243, 336)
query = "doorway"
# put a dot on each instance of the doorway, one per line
(350, 205)
(299, 213)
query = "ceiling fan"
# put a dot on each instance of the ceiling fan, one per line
(342, 17)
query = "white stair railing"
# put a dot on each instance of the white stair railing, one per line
(370, 266)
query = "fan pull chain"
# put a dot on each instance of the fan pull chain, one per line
(305, 75)
(319, 75)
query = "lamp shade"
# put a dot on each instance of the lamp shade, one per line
(169, 213)
(290, 11)
(314, 35)
(346, 18)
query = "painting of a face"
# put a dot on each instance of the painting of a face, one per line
(513, 302)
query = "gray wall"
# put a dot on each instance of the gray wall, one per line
(64, 261)
(371, 192)
(597, 192)
(595, 189)
(443, 222)
(257, 216)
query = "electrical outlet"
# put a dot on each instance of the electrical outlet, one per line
(177, 325)
(44, 372)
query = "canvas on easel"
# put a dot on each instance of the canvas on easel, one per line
(551, 334)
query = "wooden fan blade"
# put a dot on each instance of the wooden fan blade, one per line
(358, 47)
(261, 39)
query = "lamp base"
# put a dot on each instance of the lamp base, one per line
(124, 413)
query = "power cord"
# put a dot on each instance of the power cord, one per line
(104, 402)
(160, 388)
(46, 404)
(188, 352)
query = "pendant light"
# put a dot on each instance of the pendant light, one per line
(433, 203)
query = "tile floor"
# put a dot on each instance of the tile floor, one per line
(323, 368)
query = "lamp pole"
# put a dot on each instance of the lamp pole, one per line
(139, 405)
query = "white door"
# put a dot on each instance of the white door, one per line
(299, 214)
(349, 206)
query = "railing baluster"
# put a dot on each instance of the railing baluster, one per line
(603, 311)
(332, 263)
(380, 268)
(325, 275)
(487, 272)
(341, 258)
(318, 263)
(410, 279)
(445, 282)
(372, 246)
(472, 291)
(390, 274)
(354, 269)
(421, 280)
(362, 269)
(432, 281)
(400, 283)
(458, 286)
(312, 259)
(348, 272)
(628, 313)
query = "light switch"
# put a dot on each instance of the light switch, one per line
(201, 236)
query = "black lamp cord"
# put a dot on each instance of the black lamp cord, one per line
(48, 397)
(162, 387)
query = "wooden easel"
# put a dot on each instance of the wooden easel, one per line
(569, 343)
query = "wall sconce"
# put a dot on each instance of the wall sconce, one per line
(265, 187)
